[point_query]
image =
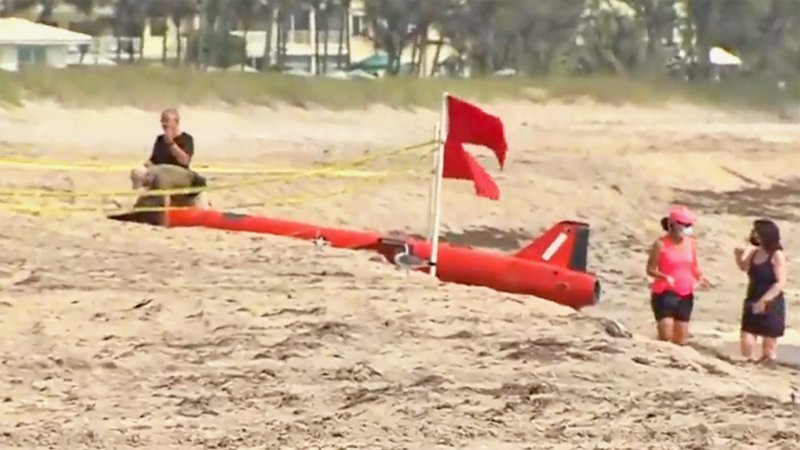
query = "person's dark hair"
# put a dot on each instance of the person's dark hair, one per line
(769, 235)
(665, 223)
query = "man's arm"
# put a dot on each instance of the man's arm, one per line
(183, 152)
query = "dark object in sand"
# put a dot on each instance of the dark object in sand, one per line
(156, 218)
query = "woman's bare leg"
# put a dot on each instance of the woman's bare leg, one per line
(680, 332)
(665, 327)
(769, 349)
(747, 343)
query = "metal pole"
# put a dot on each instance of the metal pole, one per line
(437, 205)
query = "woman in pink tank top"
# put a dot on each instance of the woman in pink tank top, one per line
(673, 266)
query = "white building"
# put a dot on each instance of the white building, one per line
(25, 43)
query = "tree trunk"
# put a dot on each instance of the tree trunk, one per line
(702, 13)
(214, 43)
(8, 8)
(519, 52)
(414, 53)
(315, 35)
(344, 19)
(436, 55)
(141, 45)
(422, 50)
(179, 43)
(284, 37)
(119, 42)
(395, 58)
(347, 34)
(164, 47)
(278, 43)
(129, 49)
(129, 46)
(391, 60)
(278, 36)
(490, 51)
(325, 36)
(47, 10)
(422, 59)
(246, 31)
(267, 61)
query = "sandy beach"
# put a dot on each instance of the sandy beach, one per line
(117, 336)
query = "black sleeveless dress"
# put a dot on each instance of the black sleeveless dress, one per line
(773, 321)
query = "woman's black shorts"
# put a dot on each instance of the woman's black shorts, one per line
(671, 305)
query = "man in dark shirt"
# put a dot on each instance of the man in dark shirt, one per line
(173, 146)
(168, 165)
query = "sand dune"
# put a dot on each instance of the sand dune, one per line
(120, 336)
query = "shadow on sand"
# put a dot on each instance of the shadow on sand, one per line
(788, 354)
(780, 201)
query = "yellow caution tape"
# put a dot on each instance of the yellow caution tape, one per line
(40, 164)
(83, 167)
(71, 209)
(154, 192)
(330, 171)
(62, 210)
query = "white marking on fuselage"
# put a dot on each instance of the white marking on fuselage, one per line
(554, 246)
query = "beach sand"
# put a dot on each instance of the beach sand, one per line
(119, 336)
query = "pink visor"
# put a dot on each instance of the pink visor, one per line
(682, 215)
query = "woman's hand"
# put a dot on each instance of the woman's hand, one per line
(760, 306)
(742, 254)
(704, 283)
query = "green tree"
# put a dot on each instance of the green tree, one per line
(129, 19)
(245, 12)
(344, 34)
(266, 9)
(213, 45)
(393, 26)
(179, 11)
(532, 36)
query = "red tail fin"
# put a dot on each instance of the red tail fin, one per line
(565, 244)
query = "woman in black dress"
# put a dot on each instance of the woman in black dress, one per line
(764, 313)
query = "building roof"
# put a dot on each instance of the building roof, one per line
(18, 31)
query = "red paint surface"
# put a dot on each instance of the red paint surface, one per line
(523, 273)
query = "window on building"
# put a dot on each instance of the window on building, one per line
(29, 55)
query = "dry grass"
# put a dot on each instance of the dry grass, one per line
(148, 86)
